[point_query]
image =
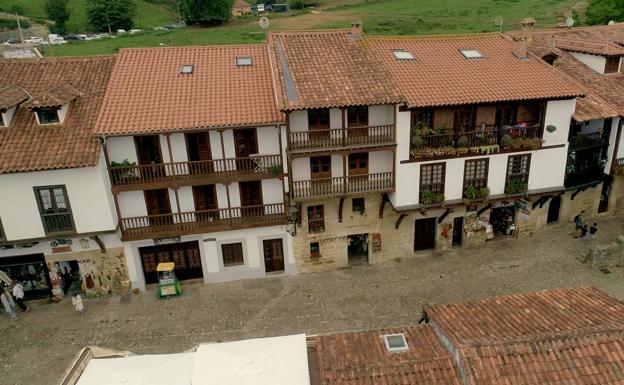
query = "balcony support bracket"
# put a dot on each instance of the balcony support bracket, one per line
(340, 206)
(99, 242)
(399, 220)
(446, 213)
(583, 188)
(484, 209)
(384, 199)
(541, 201)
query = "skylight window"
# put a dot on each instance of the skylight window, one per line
(244, 61)
(395, 342)
(186, 69)
(471, 53)
(403, 55)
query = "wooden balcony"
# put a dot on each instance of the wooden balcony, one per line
(592, 174)
(205, 171)
(206, 221)
(582, 141)
(327, 187)
(340, 138)
(58, 223)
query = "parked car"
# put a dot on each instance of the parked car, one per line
(260, 8)
(34, 40)
(10, 41)
(134, 31)
(56, 39)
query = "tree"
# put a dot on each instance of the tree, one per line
(207, 12)
(603, 11)
(58, 12)
(116, 14)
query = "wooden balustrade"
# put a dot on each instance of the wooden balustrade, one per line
(336, 186)
(486, 136)
(587, 140)
(338, 137)
(164, 225)
(136, 174)
(481, 137)
(620, 161)
(58, 223)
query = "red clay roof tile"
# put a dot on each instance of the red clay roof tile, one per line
(11, 95)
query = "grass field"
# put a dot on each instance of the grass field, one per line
(380, 17)
(149, 14)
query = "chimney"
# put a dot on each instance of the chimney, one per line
(527, 28)
(519, 47)
(356, 30)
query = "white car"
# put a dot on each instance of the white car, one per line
(56, 39)
(135, 30)
(34, 40)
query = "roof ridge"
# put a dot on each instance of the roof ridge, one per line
(182, 47)
(436, 36)
(401, 364)
(311, 31)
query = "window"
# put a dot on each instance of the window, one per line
(358, 205)
(47, 115)
(612, 65)
(244, 61)
(517, 173)
(318, 119)
(316, 219)
(471, 53)
(422, 118)
(432, 183)
(357, 116)
(400, 54)
(232, 254)
(186, 69)
(358, 163)
(395, 342)
(54, 209)
(315, 250)
(476, 173)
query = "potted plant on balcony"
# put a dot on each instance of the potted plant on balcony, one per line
(123, 175)
(514, 187)
(275, 169)
(472, 193)
(430, 198)
(506, 141)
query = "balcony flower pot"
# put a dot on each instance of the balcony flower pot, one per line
(275, 169)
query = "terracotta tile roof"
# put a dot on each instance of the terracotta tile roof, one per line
(441, 75)
(320, 69)
(604, 48)
(525, 316)
(11, 96)
(605, 97)
(54, 97)
(27, 146)
(361, 358)
(148, 92)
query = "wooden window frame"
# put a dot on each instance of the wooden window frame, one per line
(316, 125)
(317, 254)
(610, 66)
(426, 111)
(56, 111)
(319, 226)
(357, 111)
(43, 215)
(235, 262)
(524, 176)
(469, 180)
(443, 176)
(356, 207)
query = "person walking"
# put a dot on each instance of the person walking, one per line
(593, 230)
(579, 223)
(18, 294)
(8, 304)
(583, 233)
(77, 302)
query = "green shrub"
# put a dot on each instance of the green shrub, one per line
(515, 187)
(417, 142)
(506, 141)
(462, 141)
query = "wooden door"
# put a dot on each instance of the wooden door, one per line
(553, 210)
(320, 167)
(273, 255)
(424, 234)
(458, 231)
(251, 198)
(185, 256)
(205, 198)
(357, 117)
(157, 203)
(358, 164)
(149, 154)
(318, 126)
(246, 144)
(199, 153)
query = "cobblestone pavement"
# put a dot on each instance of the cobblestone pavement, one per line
(38, 348)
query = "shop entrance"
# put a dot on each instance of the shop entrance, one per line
(553, 210)
(424, 234)
(185, 256)
(357, 249)
(603, 206)
(68, 273)
(458, 231)
(502, 220)
(273, 255)
(31, 271)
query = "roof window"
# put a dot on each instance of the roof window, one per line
(244, 61)
(400, 54)
(186, 69)
(471, 53)
(395, 342)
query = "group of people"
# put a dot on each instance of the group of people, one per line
(581, 226)
(13, 298)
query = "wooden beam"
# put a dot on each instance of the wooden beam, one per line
(545, 199)
(99, 242)
(484, 209)
(446, 213)
(399, 220)
(384, 199)
(537, 202)
(340, 205)
(581, 189)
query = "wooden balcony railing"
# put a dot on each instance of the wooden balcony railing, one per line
(167, 225)
(338, 137)
(58, 223)
(137, 174)
(586, 176)
(588, 140)
(486, 136)
(336, 186)
(619, 161)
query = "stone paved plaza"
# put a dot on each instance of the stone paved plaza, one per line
(38, 348)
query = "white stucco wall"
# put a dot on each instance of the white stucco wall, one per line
(7, 116)
(380, 115)
(132, 204)
(301, 169)
(87, 191)
(595, 62)
(548, 168)
(559, 114)
(336, 166)
(272, 191)
(62, 112)
(379, 161)
(298, 120)
(268, 140)
(120, 148)
(187, 203)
